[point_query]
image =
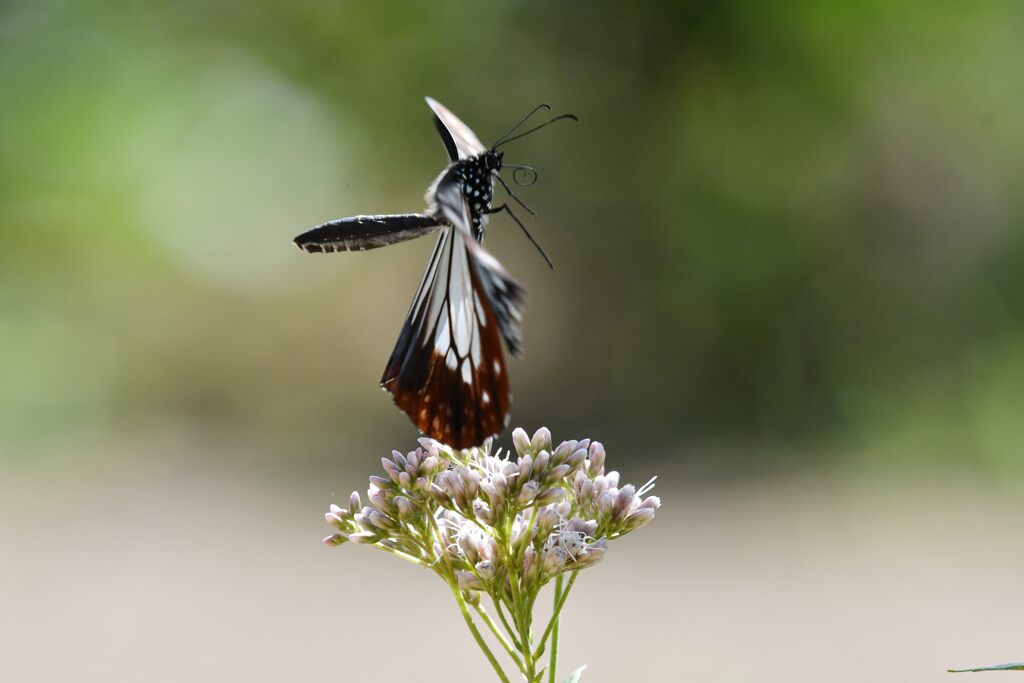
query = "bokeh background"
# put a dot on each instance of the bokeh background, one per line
(789, 279)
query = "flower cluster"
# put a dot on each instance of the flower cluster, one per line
(556, 508)
(498, 525)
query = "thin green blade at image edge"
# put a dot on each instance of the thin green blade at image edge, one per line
(576, 675)
(1018, 666)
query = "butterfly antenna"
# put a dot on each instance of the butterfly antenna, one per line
(571, 117)
(542, 105)
(524, 169)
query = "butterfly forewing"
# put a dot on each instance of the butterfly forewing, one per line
(360, 233)
(460, 135)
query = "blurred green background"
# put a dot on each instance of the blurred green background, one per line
(787, 240)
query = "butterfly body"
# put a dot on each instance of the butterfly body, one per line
(473, 177)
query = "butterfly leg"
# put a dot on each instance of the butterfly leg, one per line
(508, 210)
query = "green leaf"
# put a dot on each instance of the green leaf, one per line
(1018, 666)
(576, 675)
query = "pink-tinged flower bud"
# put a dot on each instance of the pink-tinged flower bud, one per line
(404, 506)
(485, 569)
(453, 485)
(335, 521)
(576, 460)
(468, 547)
(380, 521)
(482, 512)
(541, 440)
(399, 459)
(378, 499)
(390, 468)
(441, 497)
(605, 502)
(552, 560)
(354, 504)
(529, 563)
(334, 540)
(594, 554)
(638, 517)
(624, 501)
(340, 511)
(540, 464)
(546, 520)
(404, 480)
(552, 495)
(521, 441)
(487, 548)
(595, 459)
(430, 464)
(612, 478)
(525, 466)
(557, 474)
(471, 482)
(577, 484)
(500, 483)
(468, 582)
(528, 492)
(652, 502)
(562, 452)
(587, 492)
(415, 457)
(365, 537)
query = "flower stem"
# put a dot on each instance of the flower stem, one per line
(500, 636)
(504, 622)
(403, 555)
(453, 583)
(554, 617)
(553, 660)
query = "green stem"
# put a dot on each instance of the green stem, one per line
(453, 583)
(553, 660)
(518, 607)
(403, 555)
(554, 617)
(504, 622)
(500, 635)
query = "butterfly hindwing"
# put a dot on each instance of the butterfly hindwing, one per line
(447, 371)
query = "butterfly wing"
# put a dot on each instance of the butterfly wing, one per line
(447, 371)
(503, 294)
(460, 141)
(360, 233)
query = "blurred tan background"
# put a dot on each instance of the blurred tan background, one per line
(789, 280)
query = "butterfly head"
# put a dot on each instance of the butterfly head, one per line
(491, 160)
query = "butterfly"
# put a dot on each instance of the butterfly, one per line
(447, 370)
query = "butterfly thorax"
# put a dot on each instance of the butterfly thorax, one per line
(474, 178)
